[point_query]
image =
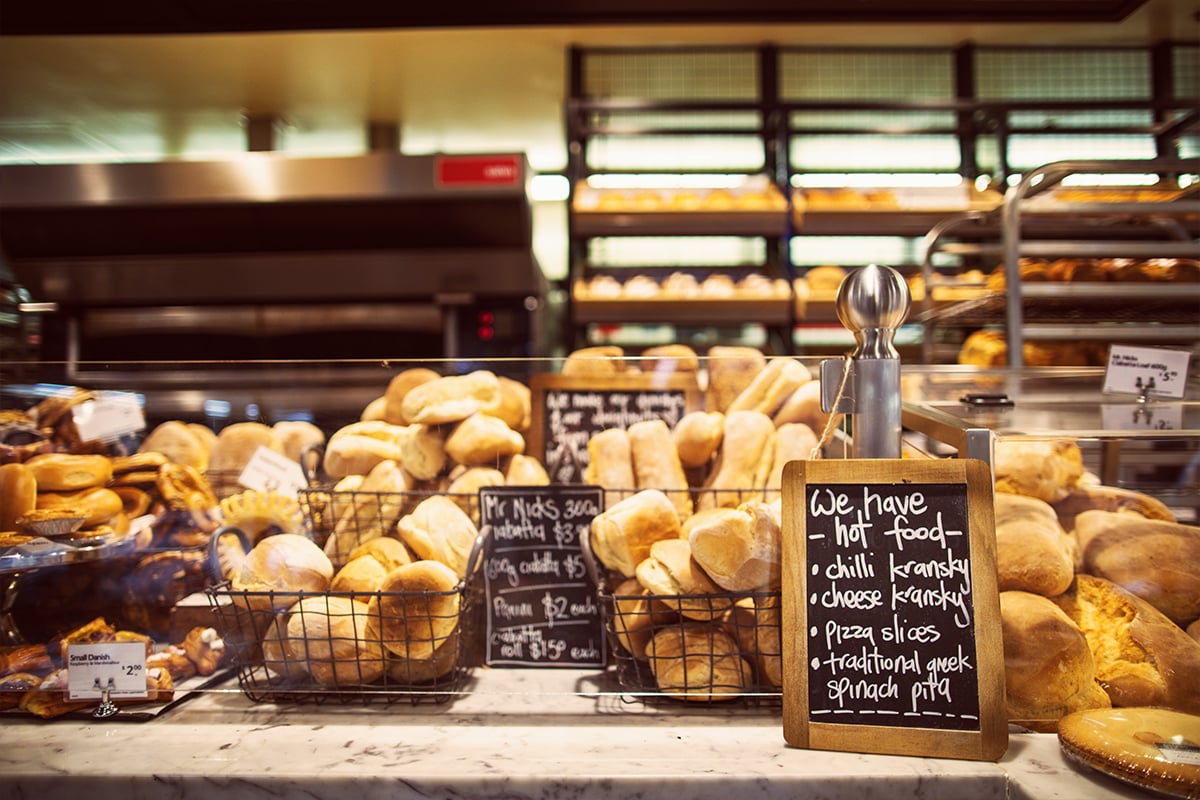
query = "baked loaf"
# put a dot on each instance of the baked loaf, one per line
(357, 448)
(1157, 560)
(237, 443)
(730, 371)
(803, 406)
(621, 535)
(1047, 470)
(739, 548)
(656, 463)
(389, 552)
(483, 440)
(1142, 658)
(452, 398)
(362, 574)
(398, 388)
(329, 635)
(416, 610)
(516, 404)
(1097, 497)
(1033, 552)
(423, 451)
(794, 441)
(523, 470)
(297, 436)
(285, 563)
(698, 662)
(439, 530)
(697, 437)
(595, 361)
(771, 387)
(668, 359)
(610, 464)
(747, 456)
(1049, 670)
(179, 442)
(636, 616)
(670, 575)
(374, 509)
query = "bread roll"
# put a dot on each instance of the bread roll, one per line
(65, 472)
(1142, 658)
(1157, 560)
(361, 574)
(330, 636)
(296, 436)
(730, 371)
(375, 508)
(621, 535)
(1033, 552)
(416, 610)
(1047, 470)
(417, 671)
(826, 278)
(1095, 497)
(465, 484)
(794, 441)
(777, 381)
(1049, 670)
(636, 617)
(398, 388)
(452, 398)
(739, 548)
(516, 404)
(374, 411)
(483, 440)
(595, 361)
(438, 530)
(745, 462)
(669, 359)
(670, 575)
(423, 451)
(276, 656)
(698, 662)
(179, 442)
(357, 448)
(803, 406)
(697, 437)
(237, 443)
(523, 470)
(18, 494)
(656, 463)
(768, 632)
(610, 464)
(389, 552)
(284, 563)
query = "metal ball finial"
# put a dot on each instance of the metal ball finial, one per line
(873, 303)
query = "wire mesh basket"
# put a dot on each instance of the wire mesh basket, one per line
(384, 647)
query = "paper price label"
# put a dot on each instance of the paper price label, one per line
(118, 667)
(269, 471)
(1142, 417)
(109, 417)
(1150, 371)
(1177, 753)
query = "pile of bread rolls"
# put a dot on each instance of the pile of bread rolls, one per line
(389, 618)
(1099, 590)
(428, 436)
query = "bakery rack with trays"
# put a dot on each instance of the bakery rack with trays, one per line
(730, 640)
(365, 647)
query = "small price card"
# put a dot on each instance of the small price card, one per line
(118, 667)
(1142, 417)
(269, 471)
(1150, 371)
(109, 417)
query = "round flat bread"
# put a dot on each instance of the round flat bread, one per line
(1154, 748)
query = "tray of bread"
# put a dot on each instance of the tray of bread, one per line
(384, 627)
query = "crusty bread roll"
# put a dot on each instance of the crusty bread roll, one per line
(523, 470)
(296, 436)
(636, 616)
(621, 535)
(361, 574)
(656, 463)
(1047, 470)
(1097, 497)
(771, 387)
(465, 483)
(18, 494)
(794, 441)
(179, 442)
(1142, 658)
(374, 411)
(375, 507)
(745, 462)
(739, 548)
(516, 404)
(276, 656)
(768, 638)
(356, 449)
(668, 359)
(237, 443)
(670, 575)
(697, 437)
(1049, 670)
(483, 440)
(698, 662)
(329, 634)
(595, 361)
(66, 472)
(438, 530)
(398, 388)
(417, 671)
(730, 370)
(1157, 560)
(610, 464)
(1033, 552)
(452, 398)
(416, 610)
(825, 278)
(423, 451)
(284, 563)
(803, 406)
(389, 552)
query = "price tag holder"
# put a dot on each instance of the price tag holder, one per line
(1146, 371)
(1142, 416)
(118, 668)
(109, 417)
(268, 471)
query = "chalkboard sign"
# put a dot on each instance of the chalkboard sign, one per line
(891, 618)
(568, 410)
(542, 608)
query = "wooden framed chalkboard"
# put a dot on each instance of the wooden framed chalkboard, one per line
(542, 607)
(890, 615)
(568, 410)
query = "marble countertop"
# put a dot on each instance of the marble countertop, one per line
(515, 733)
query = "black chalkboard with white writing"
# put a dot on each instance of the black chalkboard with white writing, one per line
(892, 605)
(569, 410)
(542, 608)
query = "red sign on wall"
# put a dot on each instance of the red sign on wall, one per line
(478, 170)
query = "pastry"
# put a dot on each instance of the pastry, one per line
(258, 514)
(656, 463)
(416, 610)
(670, 575)
(332, 637)
(18, 494)
(174, 660)
(621, 535)
(205, 648)
(1141, 746)
(439, 530)
(1033, 552)
(66, 472)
